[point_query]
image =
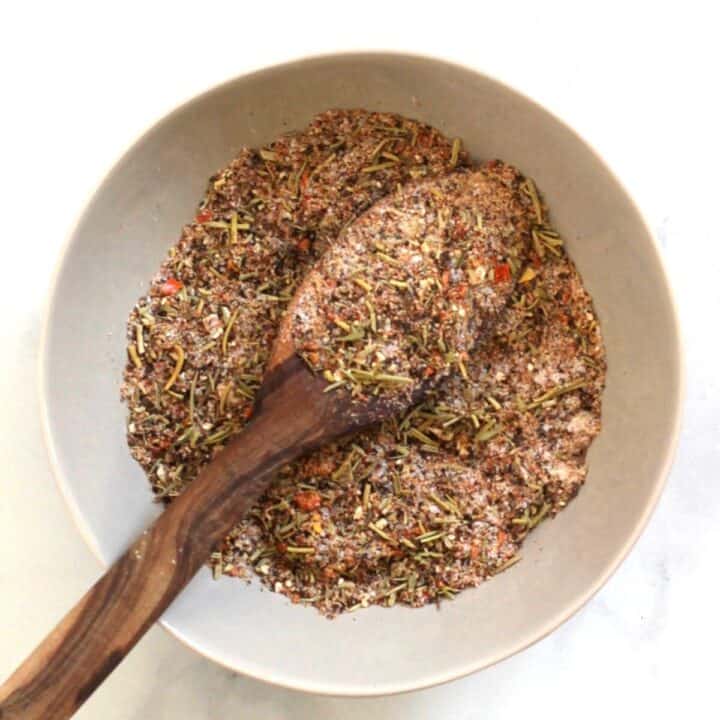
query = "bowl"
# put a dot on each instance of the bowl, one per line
(135, 216)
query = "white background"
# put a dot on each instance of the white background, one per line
(639, 81)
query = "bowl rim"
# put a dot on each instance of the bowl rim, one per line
(432, 679)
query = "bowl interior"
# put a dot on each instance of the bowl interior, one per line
(134, 218)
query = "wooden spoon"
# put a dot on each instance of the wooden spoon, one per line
(293, 415)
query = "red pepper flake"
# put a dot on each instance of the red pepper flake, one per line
(158, 447)
(329, 573)
(203, 216)
(424, 139)
(308, 500)
(458, 292)
(170, 287)
(247, 412)
(304, 180)
(562, 318)
(502, 273)
(303, 245)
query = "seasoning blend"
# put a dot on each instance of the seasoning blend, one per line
(441, 498)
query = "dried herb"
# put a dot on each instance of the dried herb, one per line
(179, 355)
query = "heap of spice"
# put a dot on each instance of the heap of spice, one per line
(407, 289)
(423, 506)
(199, 339)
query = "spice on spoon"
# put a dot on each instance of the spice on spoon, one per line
(401, 297)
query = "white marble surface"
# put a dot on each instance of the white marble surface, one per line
(80, 81)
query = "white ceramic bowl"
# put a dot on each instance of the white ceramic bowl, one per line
(121, 239)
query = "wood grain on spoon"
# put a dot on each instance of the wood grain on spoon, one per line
(293, 415)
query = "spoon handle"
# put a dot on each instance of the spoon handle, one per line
(90, 641)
